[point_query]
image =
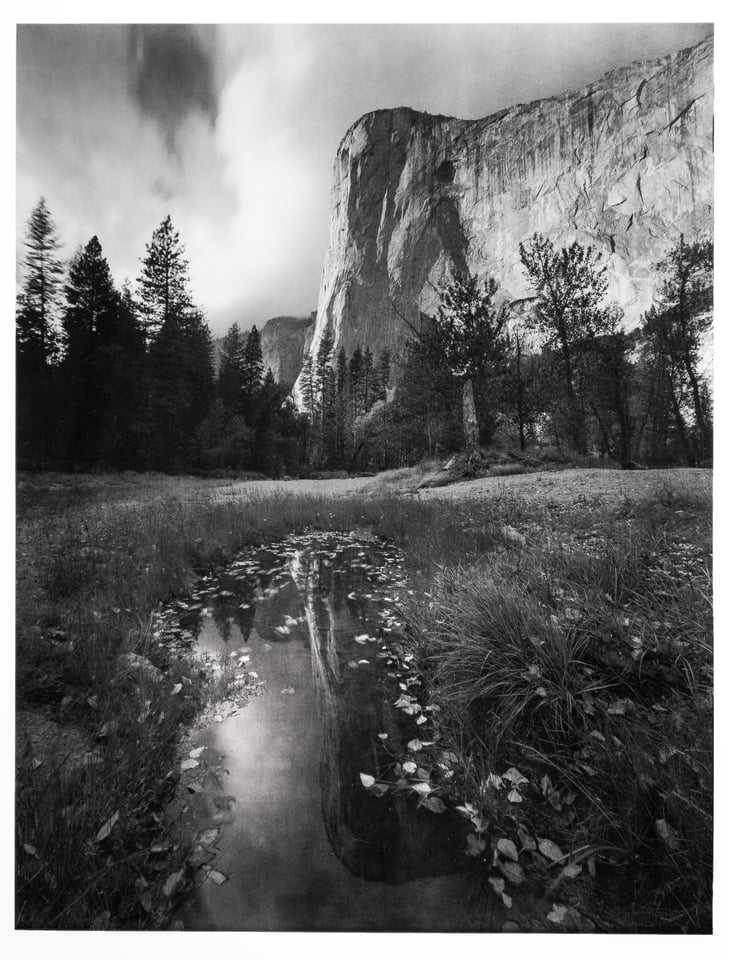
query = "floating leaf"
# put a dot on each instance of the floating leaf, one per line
(421, 719)
(514, 776)
(415, 745)
(558, 913)
(367, 780)
(474, 845)
(172, 882)
(383, 736)
(409, 766)
(107, 827)
(217, 877)
(30, 850)
(550, 850)
(498, 884)
(422, 788)
(434, 804)
(208, 837)
(513, 872)
(189, 764)
(508, 849)
(287, 691)
(667, 834)
(514, 796)
(494, 782)
(468, 810)
(525, 838)
(177, 687)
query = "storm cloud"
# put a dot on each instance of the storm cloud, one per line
(172, 75)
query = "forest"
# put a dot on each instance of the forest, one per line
(126, 379)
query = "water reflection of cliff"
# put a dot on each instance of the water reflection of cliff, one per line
(383, 839)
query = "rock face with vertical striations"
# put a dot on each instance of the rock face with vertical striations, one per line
(284, 341)
(624, 164)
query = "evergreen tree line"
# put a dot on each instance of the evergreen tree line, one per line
(337, 394)
(559, 375)
(125, 379)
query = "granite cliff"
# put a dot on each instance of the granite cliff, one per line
(624, 164)
(284, 342)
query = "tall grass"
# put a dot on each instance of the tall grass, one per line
(589, 660)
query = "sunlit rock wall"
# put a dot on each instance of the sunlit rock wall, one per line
(624, 164)
(284, 341)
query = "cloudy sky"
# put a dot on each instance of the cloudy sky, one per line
(233, 130)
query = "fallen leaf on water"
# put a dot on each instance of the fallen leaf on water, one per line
(557, 914)
(208, 837)
(189, 764)
(30, 850)
(434, 804)
(367, 780)
(514, 776)
(217, 877)
(415, 745)
(172, 882)
(508, 849)
(513, 872)
(409, 766)
(474, 845)
(422, 788)
(550, 850)
(667, 834)
(383, 736)
(514, 796)
(525, 838)
(498, 884)
(107, 827)
(177, 687)
(287, 691)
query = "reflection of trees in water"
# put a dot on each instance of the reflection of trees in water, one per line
(377, 838)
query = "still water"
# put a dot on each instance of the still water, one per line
(276, 797)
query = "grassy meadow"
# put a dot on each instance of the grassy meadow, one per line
(571, 643)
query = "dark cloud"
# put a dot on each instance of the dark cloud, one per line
(172, 74)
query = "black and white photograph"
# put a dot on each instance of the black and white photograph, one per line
(363, 442)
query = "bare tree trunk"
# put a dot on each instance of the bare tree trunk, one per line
(470, 427)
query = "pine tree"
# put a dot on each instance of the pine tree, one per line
(570, 286)
(356, 363)
(121, 374)
(36, 336)
(163, 283)
(232, 370)
(472, 338)
(91, 306)
(252, 372)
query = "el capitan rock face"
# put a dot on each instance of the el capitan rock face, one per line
(624, 164)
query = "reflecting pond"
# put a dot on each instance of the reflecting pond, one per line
(289, 836)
